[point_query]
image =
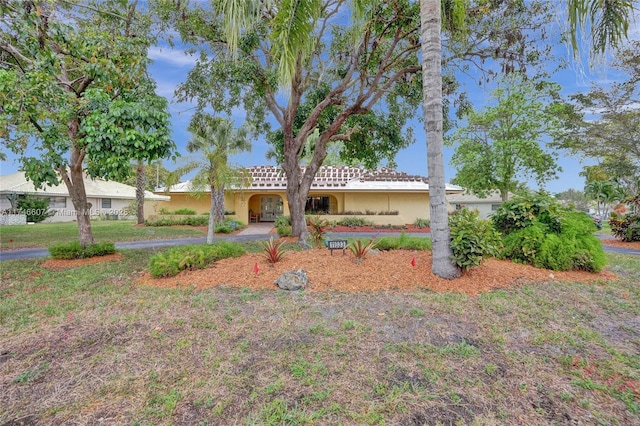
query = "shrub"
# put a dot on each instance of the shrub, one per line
(189, 221)
(185, 211)
(543, 233)
(389, 212)
(353, 221)
(227, 226)
(35, 208)
(284, 230)
(522, 246)
(422, 223)
(273, 250)
(171, 262)
(317, 228)
(282, 221)
(360, 249)
(472, 239)
(75, 250)
(625, 228)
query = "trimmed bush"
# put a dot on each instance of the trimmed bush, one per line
(189, 221)
(75, 250)
(185, 211)
(171, 262)
(354, 222)
(472, 239)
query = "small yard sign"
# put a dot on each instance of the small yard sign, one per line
(337, 245)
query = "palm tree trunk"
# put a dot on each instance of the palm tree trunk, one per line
(212, 222)
(218, 205)
(430, 19)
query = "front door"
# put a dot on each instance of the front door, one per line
(270, 208)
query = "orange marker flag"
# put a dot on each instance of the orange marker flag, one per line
(413, 261)
(255, 268)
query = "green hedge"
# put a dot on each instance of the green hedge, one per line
(472, 239)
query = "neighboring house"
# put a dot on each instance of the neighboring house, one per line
(382, 196)
(485, 206)
(108, 199)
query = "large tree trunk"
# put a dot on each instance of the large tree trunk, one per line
(443, 265)
(297, 192)
(141, 182)
(74, 181)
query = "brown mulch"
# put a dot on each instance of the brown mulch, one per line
(633, 245)
(74, 263)
(379, 271)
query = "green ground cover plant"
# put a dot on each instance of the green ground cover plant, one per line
(169, 263)
(42, 234)
(536, 353)
(75, 250)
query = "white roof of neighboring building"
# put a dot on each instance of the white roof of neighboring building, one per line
(342, 178)
(468, 198)
(95, 188)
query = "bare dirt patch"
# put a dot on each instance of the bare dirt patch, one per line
(379, 271)
(74, 263)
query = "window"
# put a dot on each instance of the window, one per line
(57, 202)
(318, 204)
(106, 203)
(495, 207)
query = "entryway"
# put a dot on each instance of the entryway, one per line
(271, 208)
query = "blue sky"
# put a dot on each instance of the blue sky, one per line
(170, 67)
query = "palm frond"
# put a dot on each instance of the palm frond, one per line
(292, 35)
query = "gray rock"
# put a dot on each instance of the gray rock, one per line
(293, 280)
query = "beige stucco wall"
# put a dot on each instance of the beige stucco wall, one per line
(410, 205)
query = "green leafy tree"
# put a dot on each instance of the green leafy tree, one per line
(214, 138)
(575, 198)
(604, 124)
(70, 81)
(505, 141)
(336, 79)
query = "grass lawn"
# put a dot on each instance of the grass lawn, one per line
(47, 234)
(88, 345)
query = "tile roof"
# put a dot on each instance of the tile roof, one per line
(331, 177)
(334, 177)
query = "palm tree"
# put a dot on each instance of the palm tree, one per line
(604, 192)
(215, 138)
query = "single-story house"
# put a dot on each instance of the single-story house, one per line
(108, 199)
(485, 206)
(382, 196)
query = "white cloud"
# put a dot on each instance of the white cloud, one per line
(174, 57)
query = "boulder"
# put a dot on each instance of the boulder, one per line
(293, 280)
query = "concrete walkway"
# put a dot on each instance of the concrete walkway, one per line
(260, 228)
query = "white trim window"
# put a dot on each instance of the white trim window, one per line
(106, 203)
